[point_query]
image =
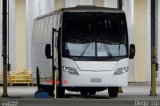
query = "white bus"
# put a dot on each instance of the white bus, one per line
(87, 46)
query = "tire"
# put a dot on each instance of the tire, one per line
(84, 93)
(45, 88)
(113, 91)
(60, 92)
(92, 92)
(50, 92)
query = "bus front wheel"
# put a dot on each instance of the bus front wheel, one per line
(60, 92)
(84, 93)
(113, 91)
(92, 92)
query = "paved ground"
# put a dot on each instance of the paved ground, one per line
(134, 95)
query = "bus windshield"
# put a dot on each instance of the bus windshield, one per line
(100, 35)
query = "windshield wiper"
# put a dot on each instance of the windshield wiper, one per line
(86, 47)
(107, 50)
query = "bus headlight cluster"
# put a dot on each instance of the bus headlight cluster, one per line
(70, 70)
(120, 71)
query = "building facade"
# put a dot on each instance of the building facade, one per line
(23, 12)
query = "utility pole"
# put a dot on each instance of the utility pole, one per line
(4, 54)
(119, 6)
(153, 51)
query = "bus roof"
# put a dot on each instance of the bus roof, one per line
(91, 8)
(84, 8)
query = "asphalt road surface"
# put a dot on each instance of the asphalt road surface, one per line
(134, 95)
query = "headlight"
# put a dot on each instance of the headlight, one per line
(70, 70)
(120, 71)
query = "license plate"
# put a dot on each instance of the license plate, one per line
(96, 79)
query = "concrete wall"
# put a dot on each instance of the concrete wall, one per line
(99, 3)
(59, 4)
(26, 13)
(73, 3)
(20, 38)
(110, 3)
(140, 11)
(23, 13)
(12, 52)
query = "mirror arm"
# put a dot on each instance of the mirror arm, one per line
(55, 30)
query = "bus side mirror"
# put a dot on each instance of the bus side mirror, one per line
(48, 51)
(132, 51)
